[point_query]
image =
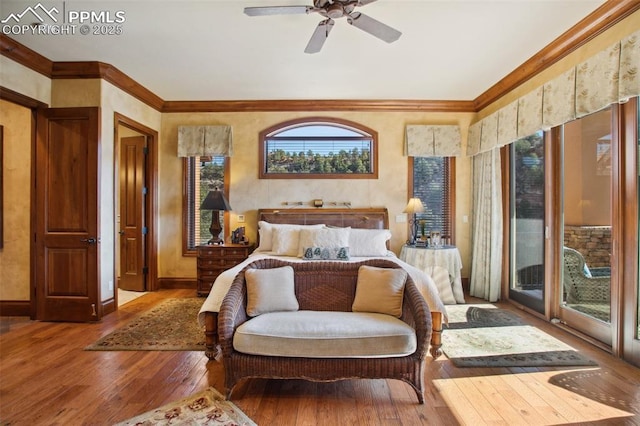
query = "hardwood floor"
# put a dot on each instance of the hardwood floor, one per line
(46, 378)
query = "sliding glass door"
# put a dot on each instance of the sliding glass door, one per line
(586, 253)
(527, 222)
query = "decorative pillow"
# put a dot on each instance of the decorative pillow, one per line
(380, 290)
(285, 241)
(369, 242)
(330, 238)
(324, 253)
(270, 290)
(265, 229)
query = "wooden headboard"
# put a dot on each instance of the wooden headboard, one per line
(369, 218)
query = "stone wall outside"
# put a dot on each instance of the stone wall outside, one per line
(594, 242)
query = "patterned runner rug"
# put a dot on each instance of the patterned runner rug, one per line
(172, 325)
(204, 408)
(485, 336)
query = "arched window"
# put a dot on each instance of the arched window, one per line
(318, 148)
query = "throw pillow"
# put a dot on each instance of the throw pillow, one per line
(380, 290)
(330, 238)
(369, 242)
(265, 230)
(324, 253)
(270, 290)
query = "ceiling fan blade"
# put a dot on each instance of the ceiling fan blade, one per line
(319, 36)
(277, 10)
(374, 27)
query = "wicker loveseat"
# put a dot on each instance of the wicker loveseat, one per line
(328, 286)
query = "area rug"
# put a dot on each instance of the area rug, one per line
(172, 325)
(204, 408)
(485, 336)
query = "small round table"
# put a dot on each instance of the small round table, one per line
(447, 257)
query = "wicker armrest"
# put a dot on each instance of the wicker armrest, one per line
(232, 312)
(416, 313)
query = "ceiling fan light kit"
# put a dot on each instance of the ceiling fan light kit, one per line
(332, 9)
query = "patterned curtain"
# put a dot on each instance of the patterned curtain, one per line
(530, 113)
(559, 100)
(198, 141)
(597, 81)
(489, 136)
(486, 258)
(630, 67)
(508, 124)
(432, 141)
(473, 139)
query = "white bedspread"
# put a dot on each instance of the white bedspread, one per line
(435, 297)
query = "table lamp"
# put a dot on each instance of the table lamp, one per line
(216, 202)
(413, 206)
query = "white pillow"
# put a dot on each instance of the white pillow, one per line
(380, 290)
(285, 241)
(368, 242)
(265, 229)
(328, 238)
(270, 290)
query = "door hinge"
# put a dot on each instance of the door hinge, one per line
(145, 270)
(145, 150)
(145, 230)
(145, 190)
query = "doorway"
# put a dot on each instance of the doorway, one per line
(134, 206)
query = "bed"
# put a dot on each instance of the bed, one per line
(368, 239)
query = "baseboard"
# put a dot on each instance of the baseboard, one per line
(175, 283)
(15, 308)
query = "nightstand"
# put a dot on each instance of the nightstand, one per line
(213, 259)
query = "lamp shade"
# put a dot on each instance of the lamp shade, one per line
(215, 200)
(414, 206)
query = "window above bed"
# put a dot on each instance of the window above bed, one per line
(318, 148)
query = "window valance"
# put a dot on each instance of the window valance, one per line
(432, 141)
(198, 141)
(610, 76)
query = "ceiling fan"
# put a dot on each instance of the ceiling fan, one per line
(331, 9)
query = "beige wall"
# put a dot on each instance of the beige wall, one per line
(248, 193)
(15, 257)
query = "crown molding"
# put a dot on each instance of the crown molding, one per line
(603, 18)
(319, 105)
(107, 72)
(25, 56)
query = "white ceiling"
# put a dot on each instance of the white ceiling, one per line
(210, 50)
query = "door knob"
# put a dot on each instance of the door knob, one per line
(121, 232)
(89, 240)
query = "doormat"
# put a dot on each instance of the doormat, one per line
(485, 336)
(204, 408)
(172, 325)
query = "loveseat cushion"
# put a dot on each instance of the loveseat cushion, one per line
(325, 334)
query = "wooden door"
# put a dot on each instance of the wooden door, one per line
(132, 214)
(67, 235)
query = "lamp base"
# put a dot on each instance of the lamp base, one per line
(215, 228)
